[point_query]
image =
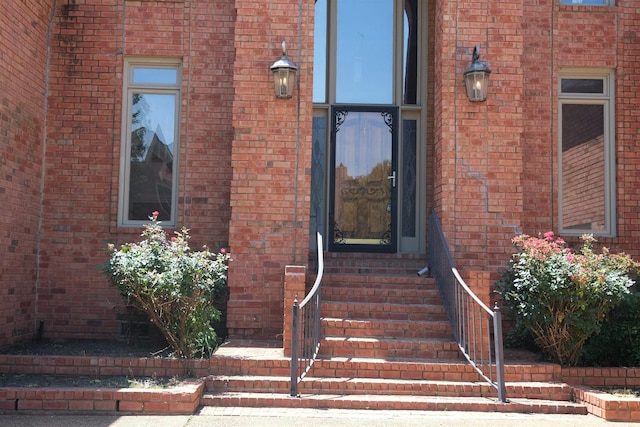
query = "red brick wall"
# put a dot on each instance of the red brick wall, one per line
(627, 124)
(478, 159)
(89, 40)
(271, 158)
(244, 156)
(574, 37)
(496, 163)
(23, 55)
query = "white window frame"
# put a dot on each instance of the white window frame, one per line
(607, 100)
(129, 88)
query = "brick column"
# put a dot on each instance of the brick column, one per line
(270, 159)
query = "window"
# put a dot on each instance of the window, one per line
(588, 2)
(151, 111)
(586, 153)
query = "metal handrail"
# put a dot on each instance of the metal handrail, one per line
(306, 332)
(469, 317)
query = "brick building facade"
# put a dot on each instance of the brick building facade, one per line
(241, 162)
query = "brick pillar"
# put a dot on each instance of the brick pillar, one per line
(270, 159)
(478, 160)
(294, 288)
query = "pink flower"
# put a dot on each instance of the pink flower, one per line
(173, 239)
(223, 251)
(155, 214)
(548, 236)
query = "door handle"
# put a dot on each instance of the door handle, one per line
(392, 177)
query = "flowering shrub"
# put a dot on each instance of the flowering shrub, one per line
(174, 286)
(561, 296)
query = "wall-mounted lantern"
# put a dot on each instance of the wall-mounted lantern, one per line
(476, 78)
(284, 75)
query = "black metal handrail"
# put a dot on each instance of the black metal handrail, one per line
(306, 332)
(470, 318)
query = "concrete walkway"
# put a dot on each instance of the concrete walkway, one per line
(275, 417)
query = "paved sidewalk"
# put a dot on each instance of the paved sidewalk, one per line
(275, 417)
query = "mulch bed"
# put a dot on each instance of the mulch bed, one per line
(87, 348)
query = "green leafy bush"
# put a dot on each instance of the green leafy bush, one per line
(562, 297)
(618, 343)
(174, 286)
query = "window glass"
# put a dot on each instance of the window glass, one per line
(151, 159)
(586, 152)
(155, 76)
(148, 179)
(582, 86)
(410, 53)
(318, 178)
(583, 167)
(409, 178)
(364, 63)
(320, 53)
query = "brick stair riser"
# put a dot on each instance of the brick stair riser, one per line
(236, 366)
(377, 298)
(337, 402)
(355, 328)
(440, 371)
(408, 272)
(417, 313)
(453, 371)
(414, 282)
(560, 392)
(389, 349)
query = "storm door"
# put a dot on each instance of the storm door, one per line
(362, 211)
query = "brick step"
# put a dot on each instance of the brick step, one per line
(271, 362)
(359, 293)
(377, 386)
(385, 402)
(390, 348)
(367, 311)
(386, 328)
(339, 280)
(443, 370)
(374, 264)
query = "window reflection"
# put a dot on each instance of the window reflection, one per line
(167, 76)
(583, 167)
(410, 52)
(364, 68)
(320, 53)
(151, 163)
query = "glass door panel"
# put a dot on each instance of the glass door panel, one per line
(363, 208)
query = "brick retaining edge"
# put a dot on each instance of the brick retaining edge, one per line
(607, 406)
(183, 399)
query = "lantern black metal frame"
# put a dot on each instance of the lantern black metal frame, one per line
(284, 75)
(476, 78)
